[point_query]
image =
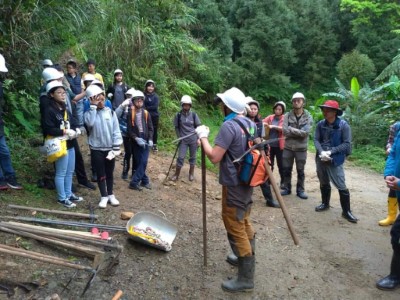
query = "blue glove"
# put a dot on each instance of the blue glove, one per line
(150, 143)
(141, 142)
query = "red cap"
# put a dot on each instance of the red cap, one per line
(332, 104)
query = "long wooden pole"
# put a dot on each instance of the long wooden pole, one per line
(55, 212)
(280, 200)
(204, 202)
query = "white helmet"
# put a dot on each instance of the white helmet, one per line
(234, 99)
(137, 94)
(298, 95)
(53, 85)
(3, 67)
(93, 90)
(118, 71)
(47, 63)
(50, 73)
(250, 100)
(186, 100)
(130, 91)
(88, 77)
(148, 82)
(97, 82)
(281, 103)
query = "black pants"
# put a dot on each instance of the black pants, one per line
(105, 171)
(128, 147)
(79, 164)
(395, 234)
(276, 152)
(154, 120)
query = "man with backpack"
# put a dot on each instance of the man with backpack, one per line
(332, 142)
(231, 141)
(185, 123)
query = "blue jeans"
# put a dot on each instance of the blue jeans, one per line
(6, 169)
(79, 112)
(65, 167)
(141, 156)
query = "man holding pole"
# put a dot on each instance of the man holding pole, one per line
(236, 197)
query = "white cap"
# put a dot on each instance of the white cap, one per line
(137, 94)
(186, 99)
(53, 84)
(118, 71)
(47, 62)
(50, 73)
(234, 99)
(3, 67)
(130, 91)
(93, 90)
(298, 95)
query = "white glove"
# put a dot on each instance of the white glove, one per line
(117, 152)
(70, 133)
(78, 132)
(326, 154)
(150, 143)
(126, 103)
(140, 142)
(83, 130)
(110, 155)
(93, 107)
(202, 131)
(110, 95)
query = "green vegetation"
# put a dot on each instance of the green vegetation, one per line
(326, 49)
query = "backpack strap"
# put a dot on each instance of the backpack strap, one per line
(248, 135)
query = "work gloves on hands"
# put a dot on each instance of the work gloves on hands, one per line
(126, 103)
(202, 131)
(325, 155)
(141, 142)
(150, 143)
(112, 154)
(71, 134)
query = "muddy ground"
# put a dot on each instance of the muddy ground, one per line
(335, 259)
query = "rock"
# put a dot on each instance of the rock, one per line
(126, 215)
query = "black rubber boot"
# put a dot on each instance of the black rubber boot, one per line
(191, 173)
(266, 190)
(391, 281)
(326, 198)
(345, 203)
(233, 259)
(245, 278)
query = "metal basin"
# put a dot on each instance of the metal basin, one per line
(162, 226)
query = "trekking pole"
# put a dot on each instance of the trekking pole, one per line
(170, 166)
(280, 200)
(203, 195)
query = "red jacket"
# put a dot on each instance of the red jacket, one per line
(268, 120)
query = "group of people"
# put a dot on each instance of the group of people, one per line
(72, 105)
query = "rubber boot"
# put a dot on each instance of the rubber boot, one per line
(191, 173)
(266, 190)
(326, 198)
(392, 212)
(176, 175)
(125, 169)
(391, 281)
(233, 259)
(245, 278)
(345, 203)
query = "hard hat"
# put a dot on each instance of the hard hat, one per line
(186, 100)
(298, 95)
(332, 104)
(88, 77)
(130, 91)
(47, 63)
(149, 82)
(52, 85)
(137, 94)
(93, 90)
(250, 100)
(3, 67)
(118, 71)
(281, 103)
(234, 99)
(50, 74)
(98, 83)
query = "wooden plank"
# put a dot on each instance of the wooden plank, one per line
(56, 212)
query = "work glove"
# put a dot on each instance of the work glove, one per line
(111, 155)
(126, 103)
(93, 107)
(110, 95)
(150, 143)
(70, 133)
(325, 155)
(202, 131)
(141, 142)
(83, 130)
(78, 132)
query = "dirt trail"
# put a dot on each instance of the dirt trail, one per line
(335, 260)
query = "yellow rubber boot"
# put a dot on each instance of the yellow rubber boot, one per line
(392, 212)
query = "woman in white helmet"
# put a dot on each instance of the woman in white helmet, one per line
(185, 123)
(116, 92)
(58, 122)
(104, 143)
(236, 197)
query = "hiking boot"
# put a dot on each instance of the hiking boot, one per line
(3, 185)
(12, 183)
(285, 192)
(75, 198)
(113, 201)
(88, 185)
(124, 175)
(135, 187)
(103, 202)
(67, 203)
(302, 195)
(146, 186)
(176, 175)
